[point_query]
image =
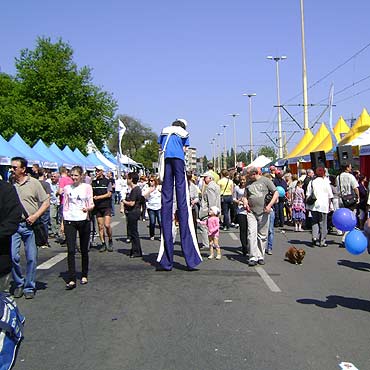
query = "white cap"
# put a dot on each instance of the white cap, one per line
(215, 210)
(99, 167)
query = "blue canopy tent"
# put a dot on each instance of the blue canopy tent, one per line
(90, 166)
(7, 152)
(81, 161)
(41, 148)
(67, 162)
(32, 157)
(94, 159)
(108, 154)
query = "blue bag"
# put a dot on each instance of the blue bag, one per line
(11, 331)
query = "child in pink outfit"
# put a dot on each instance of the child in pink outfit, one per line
(213, 225)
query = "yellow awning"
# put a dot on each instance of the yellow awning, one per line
(307, 137)
(341, 129)
(360, 126)
(316, 141)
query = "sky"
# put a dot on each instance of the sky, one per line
(193, 59)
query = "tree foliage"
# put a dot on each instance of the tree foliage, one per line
(268, 151)
(133, 139)
(50, 98)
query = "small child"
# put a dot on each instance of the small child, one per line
(213, 225)
(298, 206)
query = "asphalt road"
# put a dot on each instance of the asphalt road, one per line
(224, 316)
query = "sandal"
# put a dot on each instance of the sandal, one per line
(84, 281)
(71, 285)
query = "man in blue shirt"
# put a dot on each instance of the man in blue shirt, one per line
(177, 139)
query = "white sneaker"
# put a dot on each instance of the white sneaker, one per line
(211, 257)
(218, 257)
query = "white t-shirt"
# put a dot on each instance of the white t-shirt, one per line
(348, 183)
(322, 190)
(75, 199)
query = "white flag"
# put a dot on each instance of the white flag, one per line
(121, 131)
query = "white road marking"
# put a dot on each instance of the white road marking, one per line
(114, 223)
(233, 236)
(266, 278)
(52, 261)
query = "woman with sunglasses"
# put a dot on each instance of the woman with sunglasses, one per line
(78, 202)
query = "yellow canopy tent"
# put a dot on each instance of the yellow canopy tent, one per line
(340, 129)
(360, 126)
(319, 137)
(307, 137)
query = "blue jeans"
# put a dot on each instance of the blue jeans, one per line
(25, 234)
(270, 238)
(153, 215)
(226, 205)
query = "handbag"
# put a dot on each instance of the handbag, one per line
(161, 162)
(349, 200)
(312, 198)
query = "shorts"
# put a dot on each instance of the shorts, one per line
(102, 212)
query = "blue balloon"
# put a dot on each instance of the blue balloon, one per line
(281, 191)
(344, 219)
(355, 242)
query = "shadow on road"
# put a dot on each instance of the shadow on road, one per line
(361, 266)
(333, 301)
(300, 242)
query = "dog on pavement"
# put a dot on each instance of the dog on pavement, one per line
(295, 255)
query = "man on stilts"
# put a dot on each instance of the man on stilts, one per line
(177, 139)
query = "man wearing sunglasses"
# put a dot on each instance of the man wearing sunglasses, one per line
(34, 202)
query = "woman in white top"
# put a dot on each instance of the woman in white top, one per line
(321, 188)
(238, 195)
(78, 202)
(153, 195)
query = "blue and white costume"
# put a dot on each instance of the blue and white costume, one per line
(175, 174)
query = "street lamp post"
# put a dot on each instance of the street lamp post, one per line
(219, 151)
(213, 140)
(225, 159)
(250, 123)
(234, 115)
(280, 138)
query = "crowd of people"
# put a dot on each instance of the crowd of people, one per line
(38, 205)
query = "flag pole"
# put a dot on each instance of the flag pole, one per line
(118, 153)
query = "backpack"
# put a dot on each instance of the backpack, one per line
(11, 331)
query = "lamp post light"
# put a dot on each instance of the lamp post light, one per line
(234, 115)
(250, 95)
(213, 140)
(225, 159)
(219, 151)
(280, 138)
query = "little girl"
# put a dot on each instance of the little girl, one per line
(213, 225)
(299, 209)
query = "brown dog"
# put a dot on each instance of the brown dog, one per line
(294, 255)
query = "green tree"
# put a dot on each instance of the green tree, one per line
(147, 154)
(54, 100)
(133, 139)
(267, 151)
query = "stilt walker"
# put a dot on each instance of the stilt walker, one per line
(175, 177)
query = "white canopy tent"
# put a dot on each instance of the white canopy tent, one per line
(260, 161)
(92, 148)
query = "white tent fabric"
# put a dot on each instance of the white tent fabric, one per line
(363, 139)
(92, 148)
(260, 161)
(124, 159)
